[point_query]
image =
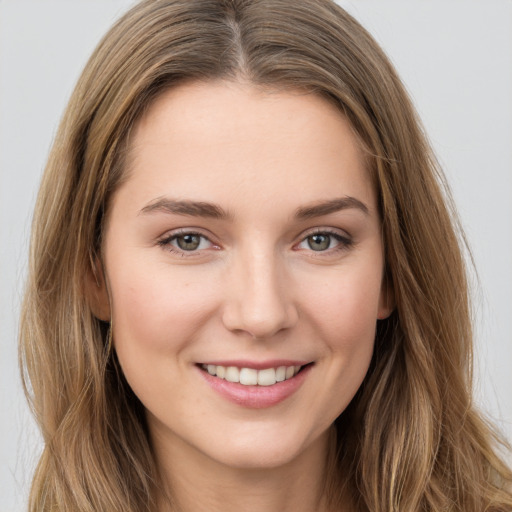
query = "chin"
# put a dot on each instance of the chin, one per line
(266, 451)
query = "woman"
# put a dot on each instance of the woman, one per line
(246, 289)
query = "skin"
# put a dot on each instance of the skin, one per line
(254, 288)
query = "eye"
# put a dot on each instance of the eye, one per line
(323, 241)
(186, 242)
(319, 242)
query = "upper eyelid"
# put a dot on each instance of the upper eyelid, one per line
(344, 239)
(168, 235)
(166, 241)
(327, 230)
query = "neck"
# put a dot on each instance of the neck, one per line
(198, 483)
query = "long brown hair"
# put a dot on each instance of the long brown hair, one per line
(411, 439)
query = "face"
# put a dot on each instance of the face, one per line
(244, 262)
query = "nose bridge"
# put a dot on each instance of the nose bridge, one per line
(259, 302)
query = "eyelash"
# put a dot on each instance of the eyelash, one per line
(344, 242)
(166, 243)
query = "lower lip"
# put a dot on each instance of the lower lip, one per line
(256, 397)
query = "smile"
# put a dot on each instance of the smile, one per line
(255, 385)
(251, 376)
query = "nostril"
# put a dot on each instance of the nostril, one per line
(259, 322)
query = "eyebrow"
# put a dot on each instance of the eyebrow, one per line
(330, 206)
(213, 211)
(190, 208)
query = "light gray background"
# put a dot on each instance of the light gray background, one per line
(455, 57)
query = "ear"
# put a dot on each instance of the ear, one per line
(96, 290)
(387, 298)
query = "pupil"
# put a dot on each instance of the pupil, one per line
(188, 242)
(319, 242)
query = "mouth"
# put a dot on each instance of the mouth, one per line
(252, 376)
(255, 385)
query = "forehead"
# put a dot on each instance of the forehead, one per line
(215, 139)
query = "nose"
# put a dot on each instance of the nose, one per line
(258, 296)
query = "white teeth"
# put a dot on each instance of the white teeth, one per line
(249, 376)
(267, 377)
(252, 377)
(232, 374)
(281, 373)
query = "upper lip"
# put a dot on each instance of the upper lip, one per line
(256, 365)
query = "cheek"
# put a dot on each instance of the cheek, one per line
(343, 314)
(345, 307)
(157, 311)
